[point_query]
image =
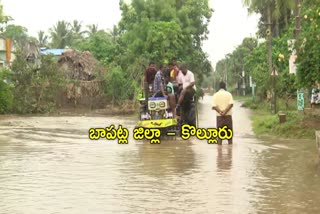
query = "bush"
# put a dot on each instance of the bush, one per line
(6, 91)
(36, 89)
(118, 87)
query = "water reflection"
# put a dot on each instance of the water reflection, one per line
(166, 159)
(287, 179)
(224, 157)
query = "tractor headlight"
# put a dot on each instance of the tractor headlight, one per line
(152, 105)
(162, 104)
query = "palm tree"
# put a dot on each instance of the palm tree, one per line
(61, 35)
(77, 33)
(278, 10)
(114, 33)
(92, 29)
(42, 39)
(76, 27)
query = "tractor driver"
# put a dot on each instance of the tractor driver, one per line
(149, 75)
(159, 89)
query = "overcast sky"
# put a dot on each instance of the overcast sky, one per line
(229, 24)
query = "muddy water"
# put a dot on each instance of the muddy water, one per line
(48, 165)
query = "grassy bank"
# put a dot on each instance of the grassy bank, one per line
(296, 126)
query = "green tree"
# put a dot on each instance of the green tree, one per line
(92, 29)
(159, 30)
(61, 35)
(308, 60)
(101, 45)
(280, 13)
(16, 32)
(36, 90)
(76, 33)
(42, 39)
(119, 88)
(6, 91)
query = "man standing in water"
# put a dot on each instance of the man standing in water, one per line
(222, 104)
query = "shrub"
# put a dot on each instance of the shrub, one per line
(6, 91)
(119, 88)
(36, 88)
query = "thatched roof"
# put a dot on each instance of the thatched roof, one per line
(80, 65)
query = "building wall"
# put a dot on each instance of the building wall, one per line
(3, 56)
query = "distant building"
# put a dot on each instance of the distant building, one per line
(7, 50)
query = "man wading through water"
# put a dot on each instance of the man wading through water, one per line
(223, 103)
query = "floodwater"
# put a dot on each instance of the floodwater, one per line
(48, 165)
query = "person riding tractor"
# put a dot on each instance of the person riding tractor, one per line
(159, 89)
(188, 86)
(149, 76)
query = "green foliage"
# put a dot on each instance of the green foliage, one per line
(117, 87)
(159, 30)
(208, 81)
(292, 128)
(101, 45)
(148, 30)
(36, 90)
(244, 58)
(61, 35)
(6, 91)
(280, 13)
(255, 60)
(15, 32)
(309, 45)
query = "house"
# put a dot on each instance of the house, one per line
(7, 50)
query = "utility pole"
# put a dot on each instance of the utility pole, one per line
(300, 93)
(214, 79)
(297, 20)
(269, 35)
(226, 72)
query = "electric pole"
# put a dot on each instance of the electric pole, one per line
(297, 20)
(300, 93)
(269, 35)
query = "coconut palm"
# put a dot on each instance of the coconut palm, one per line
(77, 33)
(279, 12)
(42, 39)
(61, 35)
(92, 29)
(114, 33)
(76, 27)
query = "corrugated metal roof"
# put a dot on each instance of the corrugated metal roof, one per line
(56, 52)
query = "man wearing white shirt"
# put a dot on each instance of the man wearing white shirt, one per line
(188, 84)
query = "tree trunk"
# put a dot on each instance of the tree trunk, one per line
(277, 33)
(286, 19)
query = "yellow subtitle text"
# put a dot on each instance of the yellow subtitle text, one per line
(152, 134)
(110, 133)
(209, 134)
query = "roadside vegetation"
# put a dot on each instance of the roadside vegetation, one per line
(296, 126)
(148, 31)
(250, 60)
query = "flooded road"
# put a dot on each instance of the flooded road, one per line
(48, 165)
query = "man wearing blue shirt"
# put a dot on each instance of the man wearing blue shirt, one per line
(159, 89)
